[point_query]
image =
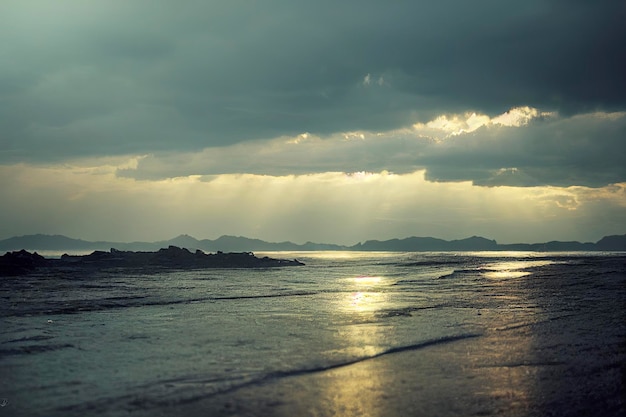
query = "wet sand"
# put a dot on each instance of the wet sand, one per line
(510, 372)
(570, 364)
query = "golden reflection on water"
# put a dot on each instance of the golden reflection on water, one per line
(512, 269)
(502, 362)
(505, 274)
(367, 280)
(367, 298)
(494, 372)
(360, 391)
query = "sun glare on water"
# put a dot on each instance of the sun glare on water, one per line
(367, 280)
(512, 269)
(367, 297)
(505, 274)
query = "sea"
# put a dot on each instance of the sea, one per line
(116, 342)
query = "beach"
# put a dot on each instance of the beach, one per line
(569, 365)
(464, 334)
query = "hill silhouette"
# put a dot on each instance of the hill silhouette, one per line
(226, 243)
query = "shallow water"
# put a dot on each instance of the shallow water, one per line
(114, 343)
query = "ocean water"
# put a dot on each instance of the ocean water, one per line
(113, 343)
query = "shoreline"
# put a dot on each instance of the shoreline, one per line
(550, 342)
(495, 374)
(564, 363)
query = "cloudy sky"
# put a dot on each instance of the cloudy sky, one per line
(326, 121)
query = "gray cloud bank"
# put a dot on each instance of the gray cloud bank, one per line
(115, 77)
(584, 150)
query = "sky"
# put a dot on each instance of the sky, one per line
(333, 122)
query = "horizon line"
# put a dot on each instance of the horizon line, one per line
(307, 242)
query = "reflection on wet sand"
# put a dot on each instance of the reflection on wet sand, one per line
(362, 391)
(503, 378)
(494, 373)
(501, 364)
(537, 348)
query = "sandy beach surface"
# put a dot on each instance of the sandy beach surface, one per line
(573, 364)
(509, 372)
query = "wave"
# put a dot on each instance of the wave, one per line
(82, 306)
(239, 382)
(399, 349)
(406, 312)
(461, 272)
(438, 262)
(20, 350)
(276, 375)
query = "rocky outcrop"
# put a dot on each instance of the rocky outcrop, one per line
(20, 262)
(173, 257)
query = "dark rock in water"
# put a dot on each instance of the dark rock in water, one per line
(20, 263)
(173, 257)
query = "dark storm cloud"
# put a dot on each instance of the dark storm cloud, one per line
(91, 78)
(582, 150)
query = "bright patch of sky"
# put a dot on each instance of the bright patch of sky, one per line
(452, 125)
(306, 188)
(93, 203)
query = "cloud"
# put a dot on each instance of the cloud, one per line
(452, 125)
(577, 150)
(85, 79)
(521, 147)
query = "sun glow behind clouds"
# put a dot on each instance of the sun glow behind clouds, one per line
(91, 202)
(524, 147)
(457, 124)
(335, 188)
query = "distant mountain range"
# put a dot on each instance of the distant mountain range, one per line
(59, 243)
